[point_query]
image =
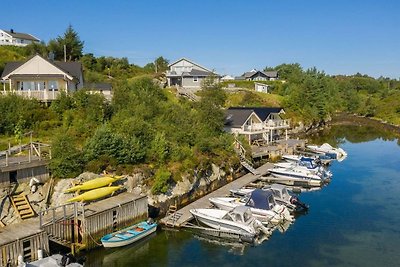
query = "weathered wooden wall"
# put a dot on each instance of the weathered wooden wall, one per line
(24, 174)
(105, 222)
(83, 226)
(27, 247)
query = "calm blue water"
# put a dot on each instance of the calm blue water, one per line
(354, 221)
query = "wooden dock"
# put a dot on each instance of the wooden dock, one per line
(182, 216)
(72, 225)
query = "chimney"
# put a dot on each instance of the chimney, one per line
(51, 56)
(12, 30)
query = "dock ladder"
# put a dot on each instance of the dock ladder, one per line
(245, 163)
(22, 206)
(173, 215)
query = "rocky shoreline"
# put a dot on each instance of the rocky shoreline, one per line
(180, 194)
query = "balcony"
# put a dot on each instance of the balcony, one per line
(277, 124)
(43, 95)
(255, 127)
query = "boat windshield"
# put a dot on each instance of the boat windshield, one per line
(271, 201)
(277, 193)
(247, 216)
(228, 217)
(285, 193)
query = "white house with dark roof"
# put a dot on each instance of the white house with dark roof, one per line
(257, 75)
(256, 123)
(16, 38)
(187, 74)
(41, 78)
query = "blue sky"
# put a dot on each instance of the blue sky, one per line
(337, 36)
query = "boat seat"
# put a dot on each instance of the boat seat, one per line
(121, 236)
(133, 232)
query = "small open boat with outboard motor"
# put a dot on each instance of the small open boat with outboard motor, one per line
(129, 235)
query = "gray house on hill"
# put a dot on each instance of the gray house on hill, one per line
(185, 73)
(258, 124)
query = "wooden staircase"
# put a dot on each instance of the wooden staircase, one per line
(22, 206)
(248, 166)
(242, 155)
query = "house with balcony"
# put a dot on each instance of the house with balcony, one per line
(187, 74)
(41, 78)
(258, 124)
(16, 38)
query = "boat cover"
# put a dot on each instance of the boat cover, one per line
(260, 199)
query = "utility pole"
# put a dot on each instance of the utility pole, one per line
(65, 53)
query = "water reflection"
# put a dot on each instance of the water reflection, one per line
(354, 133)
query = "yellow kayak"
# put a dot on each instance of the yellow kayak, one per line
(95, 194)
(95, 183)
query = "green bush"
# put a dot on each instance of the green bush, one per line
(161, 182)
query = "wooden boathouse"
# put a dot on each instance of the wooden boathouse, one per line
(73, 225)
(81, 226)
(16, 169)
(24, 239)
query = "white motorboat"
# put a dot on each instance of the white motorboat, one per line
(327, 149)
(262, 205)
(238, 220)
(297, 175)
(317, 159)
(281, 196)
(306, 165)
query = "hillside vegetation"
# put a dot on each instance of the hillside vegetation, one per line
(170, 137)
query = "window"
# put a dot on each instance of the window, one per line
(53, 85)
(195, 79)
(26, 86)
(40, 86)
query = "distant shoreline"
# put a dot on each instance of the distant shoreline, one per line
(352, 119)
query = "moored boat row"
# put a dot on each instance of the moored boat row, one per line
(258, 211)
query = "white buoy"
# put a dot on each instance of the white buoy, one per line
(21, 262)
(40, 254)
(33, 189)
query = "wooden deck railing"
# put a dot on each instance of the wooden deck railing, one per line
(39, 95)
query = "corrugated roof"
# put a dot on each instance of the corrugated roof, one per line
(72, 68)
(10, 67)
(237, 116)
(195, 72)
(21, 35)
(98, 86)
(269, 74)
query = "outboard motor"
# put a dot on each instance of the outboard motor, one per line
(260, 227)
(299, 205)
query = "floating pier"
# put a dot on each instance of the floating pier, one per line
(182, 216)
